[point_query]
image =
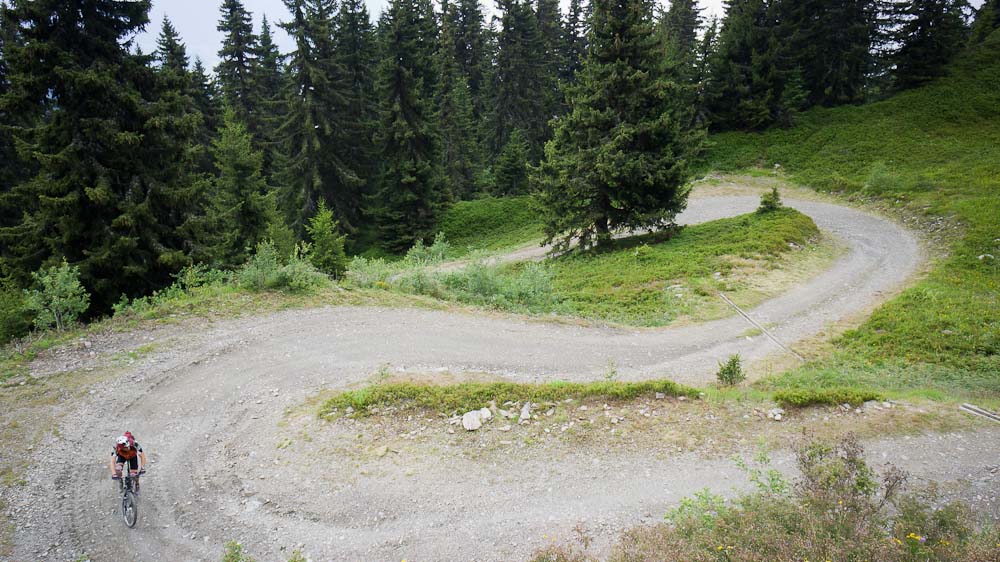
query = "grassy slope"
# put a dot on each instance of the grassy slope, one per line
(491, 224)
(629, 283)
(936, 151)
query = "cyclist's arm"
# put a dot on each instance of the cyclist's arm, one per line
(142, 460)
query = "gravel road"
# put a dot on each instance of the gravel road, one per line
(210, 407)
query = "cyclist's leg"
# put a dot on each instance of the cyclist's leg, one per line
(116, 465)
(133, 470)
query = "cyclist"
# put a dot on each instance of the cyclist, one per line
(127, 450)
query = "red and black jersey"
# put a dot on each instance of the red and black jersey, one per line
(128, 453)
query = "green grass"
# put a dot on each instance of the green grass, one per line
(491, 224)
(473, 395)
(931, 152)
(631, 283)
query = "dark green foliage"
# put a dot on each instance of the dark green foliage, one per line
(465, 19)
(511, 168)
(170, 52)
(731, 372)
(931, 34)
(491, 223)
(314, 136)
(269, 98)
(619, 156)
(112, 191)
(15, 317)
(237, 68)
(461, 159)
(551, 32)
(475, 395)
(521, 82)
(987, 21)
(802, 397)
(327, 252)
(574, 41)
(412, 191)
(679, 31)
(242, 208)
(770, 201)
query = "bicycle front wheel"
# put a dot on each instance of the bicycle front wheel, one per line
(130, 510)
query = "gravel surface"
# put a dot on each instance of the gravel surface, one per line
(210, 404)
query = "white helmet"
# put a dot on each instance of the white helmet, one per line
(123, 440)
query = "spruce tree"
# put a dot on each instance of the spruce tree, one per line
(511, 170)
(550, 29)
(520, 81)
(574, 41)
(170, 51)
(986, 22)
(932, 33)
(461, 160)
(314, 139)
(471, 50)
(412, 190)
(619, 157)
(327, 252)
(237, 66)
(268, 81)
(111, 193)
(241, 211)
(207, 101)
(679, 31)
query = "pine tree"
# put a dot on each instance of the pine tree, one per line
(467, 26)
(551, 31)
(357, 53)
(987, 21)
(461, 160)
(206, 99)
(241, 211)
(619, 158)
(574, 41)
(679, 31)
(412, 191)
(327, 252)
(268, 81)
(170, 51)
(112, 193)
(932, 33)
(313, 135)
(237, 66)
(521, 81)
(511, 170)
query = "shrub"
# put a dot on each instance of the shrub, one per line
(327, 248)
(801, 397)
(15, 316)
(260, 271)
(59, 299)
(881, 180)
(369, 272)
(264, 271)
(731, 372)
(420, 255)
(770, 201)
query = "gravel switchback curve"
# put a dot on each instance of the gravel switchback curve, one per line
(208, 408)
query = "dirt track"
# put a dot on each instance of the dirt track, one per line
(210, 405)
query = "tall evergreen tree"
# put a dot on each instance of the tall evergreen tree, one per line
(986, 22)
(242, 208)
(207, 100)
(574, 41)
(111, 193)
(269, 97)
(170, 51)
(932, 33)
(521, 81)
(412, 191)
(237, 66)
(469, 35)
(461, 160)
(357, 53)
(679, 31)
(314, 166)
(551, 31)
(619, 158)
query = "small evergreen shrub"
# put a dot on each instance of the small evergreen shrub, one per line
(59, 298)
(770, 201)
(15, 316)
(327, 247)
(731, 372)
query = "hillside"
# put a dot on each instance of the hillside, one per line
(934, 155)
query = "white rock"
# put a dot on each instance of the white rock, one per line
(525, 416)
(660, 396)
(473, 420)
(486, 414)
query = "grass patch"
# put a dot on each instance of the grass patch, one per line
(931, 152)
(473, 395)
(650, 281)
(491, 224)
(802, 397)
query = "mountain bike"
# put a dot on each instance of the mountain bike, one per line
(128, 485)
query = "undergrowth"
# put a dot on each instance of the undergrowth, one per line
(491, 224)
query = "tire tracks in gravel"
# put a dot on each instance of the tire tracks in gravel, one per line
(207, 410)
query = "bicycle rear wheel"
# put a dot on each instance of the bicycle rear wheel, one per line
(130, 509)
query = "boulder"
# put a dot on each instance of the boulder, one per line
(473, 420)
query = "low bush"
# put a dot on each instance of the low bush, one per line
(731, 372)
(770, 201)
(265, 271)
(471, 395)
(801, 397)
(59, 298)
(839, 509)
